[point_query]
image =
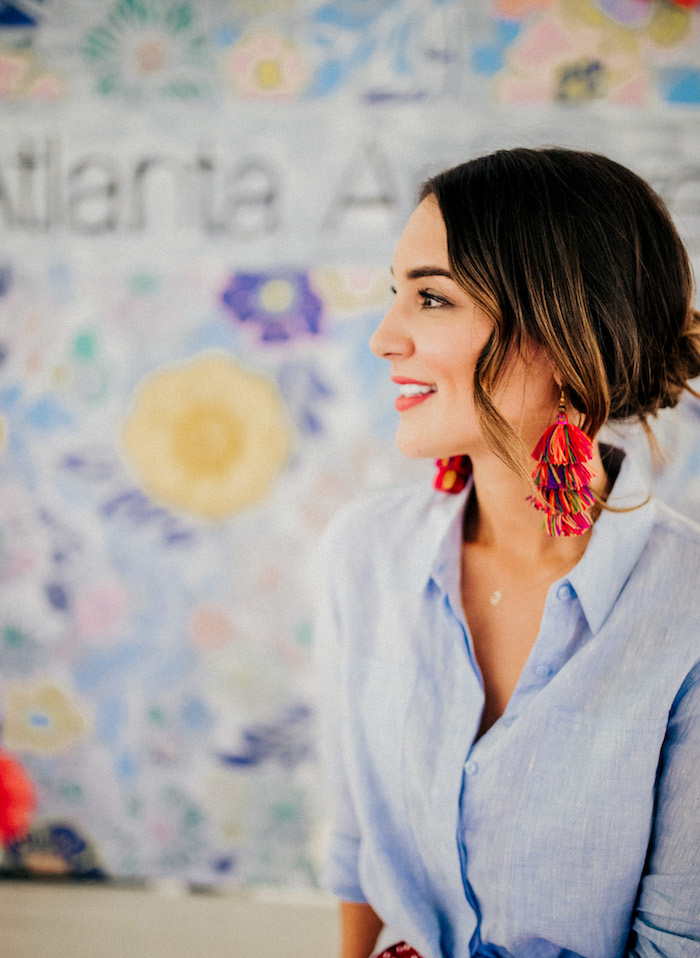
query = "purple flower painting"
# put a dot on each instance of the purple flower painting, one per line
(282, 305)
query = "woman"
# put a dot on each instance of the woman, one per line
(509, 665)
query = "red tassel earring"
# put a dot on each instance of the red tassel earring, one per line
(562, 478)
(452, 474)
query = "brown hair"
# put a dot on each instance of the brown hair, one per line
(575, 253)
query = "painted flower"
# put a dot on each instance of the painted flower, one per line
(304, 389)
(207, 436)
(149, 47)
(28, 566)
(589, 49)
(267, 66)
(628, 12)
(282, 305)
(518, 9)
(55, 849)
(573, 58)
(210, 627)
(352, 290)
(286, 739)
(42, 717)
(22, 78)
(387, 52)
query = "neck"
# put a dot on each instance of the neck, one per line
(500, 518)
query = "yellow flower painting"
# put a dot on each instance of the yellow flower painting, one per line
(207, 436)
(41, 717)
(268, 66)
(353, 290)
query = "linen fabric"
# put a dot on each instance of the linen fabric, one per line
(572, 826)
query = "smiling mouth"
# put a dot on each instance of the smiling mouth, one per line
(411, 394)
(415, 389)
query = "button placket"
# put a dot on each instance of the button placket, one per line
(560, 613)
(565, 593)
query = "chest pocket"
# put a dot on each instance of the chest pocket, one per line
(585, 823)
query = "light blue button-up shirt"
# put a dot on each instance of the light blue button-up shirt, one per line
(572, 826)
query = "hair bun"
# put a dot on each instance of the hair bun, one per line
(683, 367)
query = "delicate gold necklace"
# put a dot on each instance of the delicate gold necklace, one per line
(497, 594)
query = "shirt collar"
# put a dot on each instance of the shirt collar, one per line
(616, 544)
(444, 562)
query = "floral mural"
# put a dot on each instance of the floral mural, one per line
(199, 203)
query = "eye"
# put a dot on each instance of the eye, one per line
(432, 300)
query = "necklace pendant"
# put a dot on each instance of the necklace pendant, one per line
(496, 597)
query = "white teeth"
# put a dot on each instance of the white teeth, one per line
(413, 389)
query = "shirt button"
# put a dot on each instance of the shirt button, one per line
(471, 767)
(565, 592)
(543, 671)
(509, 721)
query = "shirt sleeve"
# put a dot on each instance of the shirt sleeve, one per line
(667, 918)
(340, 874)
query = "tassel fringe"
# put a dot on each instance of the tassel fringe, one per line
(563, 479)
(452, 474)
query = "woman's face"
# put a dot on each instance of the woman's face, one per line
(432, 336)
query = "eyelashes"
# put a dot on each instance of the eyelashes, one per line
(430, 300)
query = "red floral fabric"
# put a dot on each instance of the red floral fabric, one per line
(400, 950)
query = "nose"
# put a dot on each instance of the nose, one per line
(389, 338)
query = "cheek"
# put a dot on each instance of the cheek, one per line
(527, 399)
(456, 369)
(451, 350)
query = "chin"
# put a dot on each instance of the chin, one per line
(409, 446)
(413, 454)
(423, 447)
(414, 449)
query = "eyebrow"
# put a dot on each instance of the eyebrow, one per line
(421, 271)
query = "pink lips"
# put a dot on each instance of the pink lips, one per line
(408, 402)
